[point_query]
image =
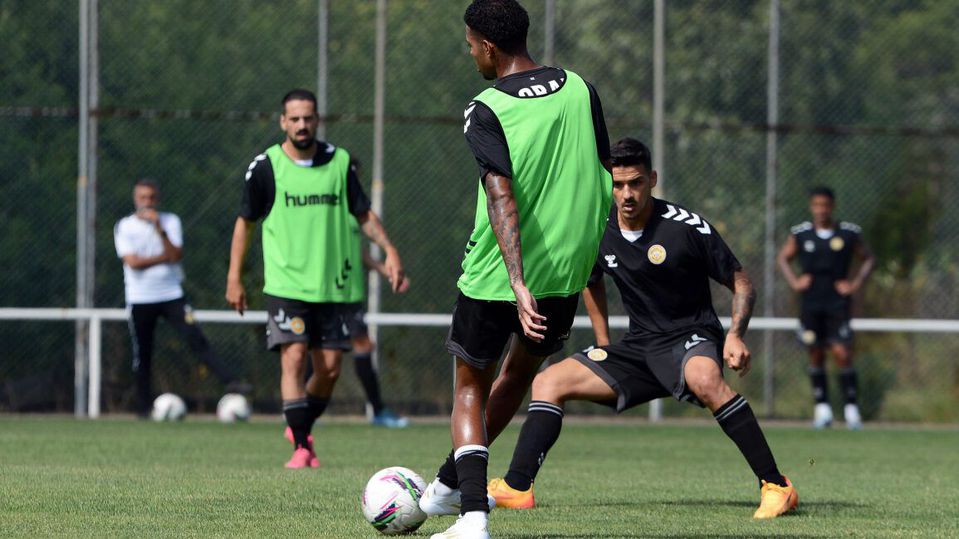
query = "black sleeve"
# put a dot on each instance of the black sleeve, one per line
(358, 202)
(599, 124)
(259, 189)
(487, 141)
(720, 260)
(597, 274)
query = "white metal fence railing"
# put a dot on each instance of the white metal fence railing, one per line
(88, 377)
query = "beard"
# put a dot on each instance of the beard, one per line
(302, 144)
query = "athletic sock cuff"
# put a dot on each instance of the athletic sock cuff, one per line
(295, 403)
(731, 407)
(469, 450)
(543, 406)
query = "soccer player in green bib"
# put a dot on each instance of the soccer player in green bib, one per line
(544, 191)
(309, 200)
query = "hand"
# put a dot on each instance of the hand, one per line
(236, 295)
(528, 317)
(803, 282)
(404, 285)
(393, 268)
(844, 287)
(149, 214)
(736, 355)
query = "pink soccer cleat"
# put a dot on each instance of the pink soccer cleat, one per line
(302, 458)
(314, 461)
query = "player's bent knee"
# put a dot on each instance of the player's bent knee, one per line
(551, 387)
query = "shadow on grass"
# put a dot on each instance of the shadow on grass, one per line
(819, 504)
(651, 536)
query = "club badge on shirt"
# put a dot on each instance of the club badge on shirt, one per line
(836, 244)
(597, 354)
(656, 254)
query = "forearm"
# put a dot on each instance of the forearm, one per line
(786, 268)
(504, 220)
(144, 262)
(594, 297)
(373, 229)
(238, 248)
(744, 299)
(371, 264)
(170, 251)
(864, 270)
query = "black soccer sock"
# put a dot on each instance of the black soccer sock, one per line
(471, 464)
(316, 407)
(849, 385)
(540, 431)
(820, 392)
(447, 474)
(297, 414)
(738, 422)
(367, 375)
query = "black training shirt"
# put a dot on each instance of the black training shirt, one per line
(827, 260)
(663, 276)
(485, 135)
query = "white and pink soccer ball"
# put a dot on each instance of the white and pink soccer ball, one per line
(391, 500)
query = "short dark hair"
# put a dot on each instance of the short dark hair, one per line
(822, 190)
(503, 22)
(147, 182)
(297, 94)
(629, 152)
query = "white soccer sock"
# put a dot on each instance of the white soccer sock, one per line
(440, 489)
(475, 518)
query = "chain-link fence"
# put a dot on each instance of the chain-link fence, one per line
(189, 94)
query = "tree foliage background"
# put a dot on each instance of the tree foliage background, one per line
(869, 105)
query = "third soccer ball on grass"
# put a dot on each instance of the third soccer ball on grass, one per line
(168, 407)
(391, 500)
(233, 407)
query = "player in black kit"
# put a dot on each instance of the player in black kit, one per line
(661, 257)
(826, 251)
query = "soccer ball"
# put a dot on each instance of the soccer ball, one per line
(233, 407)
(168, 407)
(391, 500)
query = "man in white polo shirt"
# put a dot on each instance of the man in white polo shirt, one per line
(150, 243)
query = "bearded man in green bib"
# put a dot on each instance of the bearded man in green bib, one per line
(309, 200)
(543, 194)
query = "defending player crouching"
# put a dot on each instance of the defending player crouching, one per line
(661, 257)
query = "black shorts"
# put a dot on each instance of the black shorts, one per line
(481, 329)
(320, 325)
(354, 313)
(824, 326)
(651, 367)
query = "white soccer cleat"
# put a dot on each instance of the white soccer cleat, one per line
(853, 419)
(822, 416)
(465, 528)
(435, 504)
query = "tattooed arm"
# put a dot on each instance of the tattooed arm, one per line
(504, 219)
(735, 351)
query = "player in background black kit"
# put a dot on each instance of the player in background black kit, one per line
(826, 251)
(661, 257)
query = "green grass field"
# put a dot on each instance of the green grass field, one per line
(122, 478)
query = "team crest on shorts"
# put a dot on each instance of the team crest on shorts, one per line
(297, 326)
(656, 254)
(836, 244)
(597, 354)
